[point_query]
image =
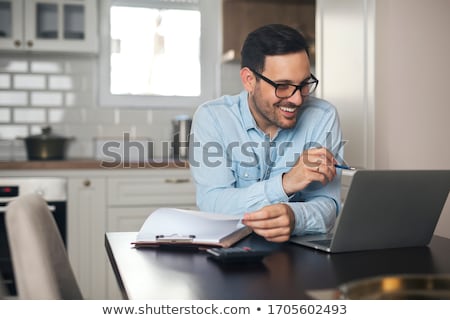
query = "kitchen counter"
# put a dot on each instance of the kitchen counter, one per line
(86, 164)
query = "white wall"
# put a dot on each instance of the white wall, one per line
(413, 84)
(412, 88)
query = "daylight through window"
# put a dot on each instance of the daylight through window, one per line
(155, 51)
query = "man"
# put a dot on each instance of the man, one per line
(269, 153)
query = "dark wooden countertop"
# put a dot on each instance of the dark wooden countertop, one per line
(290, 272)
(89, 164)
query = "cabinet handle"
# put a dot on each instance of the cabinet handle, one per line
(30, 43)
(177, 180)
(87, 183)
(17, 43)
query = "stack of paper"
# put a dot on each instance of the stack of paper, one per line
(189, 227)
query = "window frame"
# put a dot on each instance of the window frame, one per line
(210, 48)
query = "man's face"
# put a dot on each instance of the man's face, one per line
(269, 111)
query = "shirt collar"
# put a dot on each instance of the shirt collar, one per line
(247, 117)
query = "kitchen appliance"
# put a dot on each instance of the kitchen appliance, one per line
(46, 146)
(53, 190)
(181, 129)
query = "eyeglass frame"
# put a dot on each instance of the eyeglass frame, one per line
(297, 87)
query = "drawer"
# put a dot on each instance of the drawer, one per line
(124, 219)
(167, 189)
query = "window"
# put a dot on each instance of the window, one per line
(159, 53)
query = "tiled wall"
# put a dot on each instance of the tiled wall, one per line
(37, 90)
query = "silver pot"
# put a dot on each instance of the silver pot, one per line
(414, 286)
(181, 128)
(46, 146)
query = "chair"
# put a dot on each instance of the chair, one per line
(40, 261)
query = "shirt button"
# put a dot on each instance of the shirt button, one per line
(246, 175)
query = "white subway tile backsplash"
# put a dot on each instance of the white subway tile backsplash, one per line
(80, 149)
(11, 150)
(56, 116)
(79, 99)
(60, 83)
(116, 131)
(80, 66)
(165, 116)
(87, 84)
(6, 150)
(80, 131)
(38, 90)
(13, 98)
(36, 129)
(29, 115)
(13, 131)
(5, 81)
(23, 81)
(66, 115)
(5, 115)
(46, 67)
(47, 99)
(99, 116)
(134, 116)
(12, 65)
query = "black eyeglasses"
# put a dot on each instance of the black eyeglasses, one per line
(287, 90)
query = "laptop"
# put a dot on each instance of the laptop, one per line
(386, 209)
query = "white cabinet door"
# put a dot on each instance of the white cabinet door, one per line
(132, 199)
(49, 25)
(87, 227)
(11, 25)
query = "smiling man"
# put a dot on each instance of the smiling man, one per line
(268, 154)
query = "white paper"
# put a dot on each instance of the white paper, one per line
(171, 222)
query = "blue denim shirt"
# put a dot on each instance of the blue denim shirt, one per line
(237, 168)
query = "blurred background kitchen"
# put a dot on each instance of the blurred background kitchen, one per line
(120, 68)
(94, 70)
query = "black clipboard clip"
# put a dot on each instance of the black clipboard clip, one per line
(175, 238)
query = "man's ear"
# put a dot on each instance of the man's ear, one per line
(248, 79)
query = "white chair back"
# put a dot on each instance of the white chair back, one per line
(40, 261)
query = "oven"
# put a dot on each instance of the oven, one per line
(53, 190)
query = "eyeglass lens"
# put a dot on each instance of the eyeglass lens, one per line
(287, 90)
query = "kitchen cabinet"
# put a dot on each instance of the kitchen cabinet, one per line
(131, 199)
(49, 25)
(86, 228)
(243, 16)
(103, 200)
(110, 202)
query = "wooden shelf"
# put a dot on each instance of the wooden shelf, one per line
(240, 17)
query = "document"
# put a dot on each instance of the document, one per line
(171, 226)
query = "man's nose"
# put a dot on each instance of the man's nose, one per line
(296, 98)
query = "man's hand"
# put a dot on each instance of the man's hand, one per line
(274, 222)
(313, 165)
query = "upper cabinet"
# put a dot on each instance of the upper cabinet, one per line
(243, 16)
(49, 25)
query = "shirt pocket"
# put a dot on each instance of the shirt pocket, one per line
(246, 176)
